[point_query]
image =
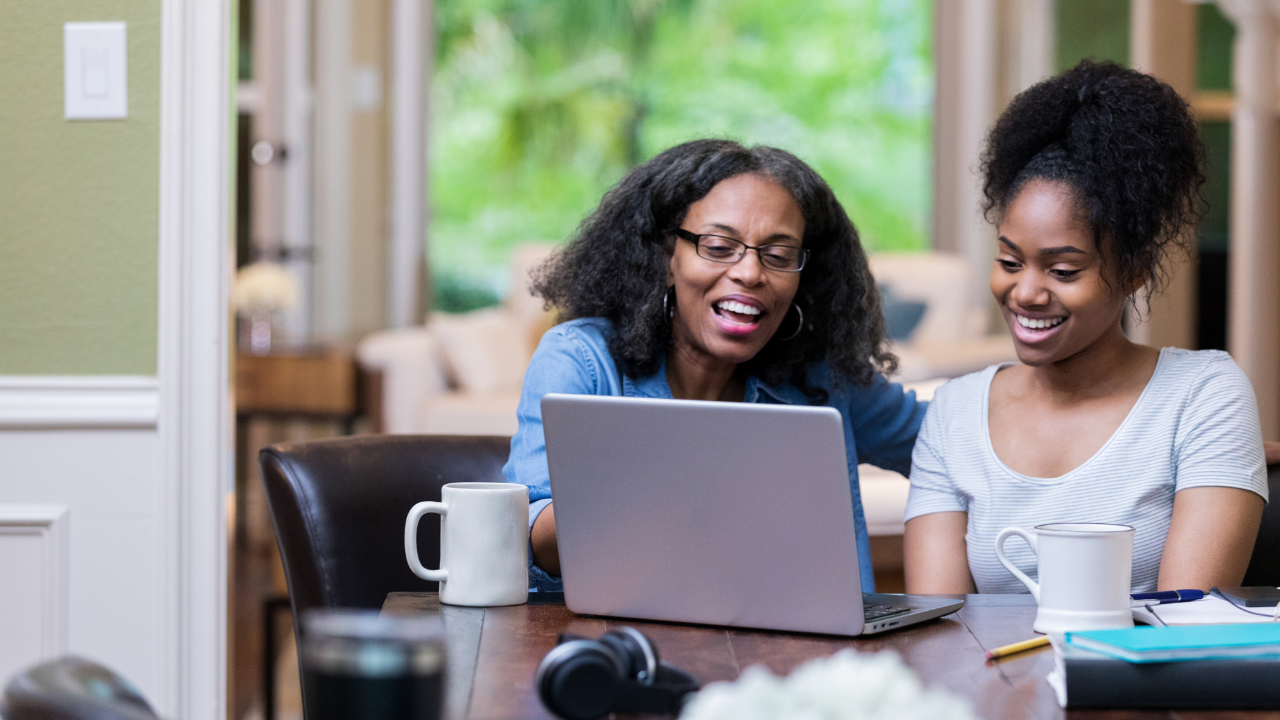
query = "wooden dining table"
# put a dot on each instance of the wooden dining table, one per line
(494, 652)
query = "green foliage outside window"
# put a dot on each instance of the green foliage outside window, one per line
(540, 106)
(1096, 29)
(1213, 56)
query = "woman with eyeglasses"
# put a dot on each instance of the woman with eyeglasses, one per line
(715, 272)
(1093, 179)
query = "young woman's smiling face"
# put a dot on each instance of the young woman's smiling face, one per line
(727, 312)
(1057, 292)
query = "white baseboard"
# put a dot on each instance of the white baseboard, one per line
(78, 401)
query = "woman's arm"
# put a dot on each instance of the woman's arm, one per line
(570, 359)
(885, 421)
(1210, 538)
(1221, 480)
(935, 554)
(542, 538)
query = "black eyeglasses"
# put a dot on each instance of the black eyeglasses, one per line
(717, 248)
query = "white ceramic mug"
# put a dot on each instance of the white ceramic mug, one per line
(1084, 570)
(484, 543)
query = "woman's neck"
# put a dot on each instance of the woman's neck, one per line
(696, 376)
(1099, 370)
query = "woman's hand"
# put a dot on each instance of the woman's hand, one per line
(936, 556)
(542, 539)
(1210, 538)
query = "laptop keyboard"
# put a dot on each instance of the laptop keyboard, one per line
(879, 612)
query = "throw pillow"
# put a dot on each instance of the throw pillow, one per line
(486, 350)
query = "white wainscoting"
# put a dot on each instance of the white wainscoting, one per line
(60, 401)
(34, 555)
(82, 526)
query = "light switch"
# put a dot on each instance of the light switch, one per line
(95, 71)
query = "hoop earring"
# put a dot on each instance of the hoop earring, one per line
(668, 307)
(799, 325)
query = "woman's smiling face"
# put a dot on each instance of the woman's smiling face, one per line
(729, 311)
(1054, 287)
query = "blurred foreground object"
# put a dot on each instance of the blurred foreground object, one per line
(848, 684)
(360, 664)
(72, 688)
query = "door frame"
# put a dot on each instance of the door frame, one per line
(193, 347)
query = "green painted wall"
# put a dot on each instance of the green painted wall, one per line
(79, 200)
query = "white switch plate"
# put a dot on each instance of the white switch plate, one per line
(95, 71)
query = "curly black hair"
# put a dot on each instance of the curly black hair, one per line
(616, 267)
(1123, 142)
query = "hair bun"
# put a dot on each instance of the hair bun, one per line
(1130, 151)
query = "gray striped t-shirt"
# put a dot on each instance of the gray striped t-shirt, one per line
(1195, 425)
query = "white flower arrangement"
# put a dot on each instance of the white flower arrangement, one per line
(264, 287)
(845, 686)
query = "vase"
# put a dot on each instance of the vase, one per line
(256, 333)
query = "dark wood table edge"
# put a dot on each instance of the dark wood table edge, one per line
(467, 626)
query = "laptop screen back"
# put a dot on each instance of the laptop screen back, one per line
(706, 512)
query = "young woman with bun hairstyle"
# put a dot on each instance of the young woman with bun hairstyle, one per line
(1092, 179)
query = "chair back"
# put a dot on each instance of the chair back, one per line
(1264, 565)
(339, 507)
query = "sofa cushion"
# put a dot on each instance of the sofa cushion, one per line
(943, 282)
(455, 413)
(901, 316)
(486, 350)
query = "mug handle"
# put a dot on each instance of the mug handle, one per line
(411, 540)
(1031, 540)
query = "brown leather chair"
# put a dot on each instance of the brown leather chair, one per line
(1264, 565)
(339, 506)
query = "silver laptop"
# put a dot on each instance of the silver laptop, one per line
(708, 512)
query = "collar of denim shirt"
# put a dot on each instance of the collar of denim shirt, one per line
(656, 386)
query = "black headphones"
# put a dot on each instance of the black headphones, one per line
(582, 679)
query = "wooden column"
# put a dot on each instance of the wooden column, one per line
(966, 102)
(412, 50)
(1253, 332)
(1029, 48)
(1163, 43)
(332, 291)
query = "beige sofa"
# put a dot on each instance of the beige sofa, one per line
(951, 339)
(461, 374)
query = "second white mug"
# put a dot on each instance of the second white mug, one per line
(484, 543)
(1084, 571)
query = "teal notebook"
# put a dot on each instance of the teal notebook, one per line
(1183, 642)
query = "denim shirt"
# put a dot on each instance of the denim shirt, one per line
(880, 420)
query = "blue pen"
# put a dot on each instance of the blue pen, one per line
(1170, 596)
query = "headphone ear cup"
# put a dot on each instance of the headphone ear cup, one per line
(581, 681)
(637, 651)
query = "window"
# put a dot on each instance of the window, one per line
(539, 107)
